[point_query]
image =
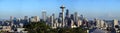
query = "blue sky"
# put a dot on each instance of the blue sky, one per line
(104, 9)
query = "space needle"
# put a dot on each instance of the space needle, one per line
(62, 8)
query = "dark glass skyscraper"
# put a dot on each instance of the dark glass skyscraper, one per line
(67, 13)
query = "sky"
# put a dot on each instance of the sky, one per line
(102, 9)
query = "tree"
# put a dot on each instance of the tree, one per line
(41, 27)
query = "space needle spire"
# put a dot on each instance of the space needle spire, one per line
(62, 8)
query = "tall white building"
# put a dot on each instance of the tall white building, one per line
(102, 23)
(76, 17)
(51, 21)
(79, 23)
(98, 24)
(115, 22)
(63, 7)
(44, 16)
(73, 24)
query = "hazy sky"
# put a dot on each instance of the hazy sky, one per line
(104, 9)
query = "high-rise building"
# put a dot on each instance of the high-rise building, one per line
(79, 23)
(81, 17)
(67, 13)
(53, 17)
(44, 16)
(62, 7)
(102, 23)
(99, 23)
(72, 16)
(115, 22)
(67, 18)
(60, 18)
(76, 17)
(25, 17)
(51, 21)
(35, 19)
(11, 18)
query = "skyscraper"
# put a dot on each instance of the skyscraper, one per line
(53, 17)
(11, 18)
(62, 7)
(72, 16)
(76, 17)
(51, 21)
(25, 17)
(44, 16)
(102, 23)
(67, 13)
(60, 18)
(115, 22)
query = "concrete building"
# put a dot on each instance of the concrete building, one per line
(35, 19)
(102, 23)
(115, 22)
(6, 28)
(44, 16)
(75, 17)
(79, 23)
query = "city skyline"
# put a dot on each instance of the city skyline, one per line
(104, 9)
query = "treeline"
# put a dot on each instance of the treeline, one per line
(41, 27)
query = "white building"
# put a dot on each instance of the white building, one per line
(44, 17)
(79, 23)
(115, 22)
(35, 19)
(101, 23)
(6, 28)
(72, 24)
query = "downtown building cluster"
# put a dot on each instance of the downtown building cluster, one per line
(65, 20)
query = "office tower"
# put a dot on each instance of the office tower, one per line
(55, 24)
(73, 24)
(102, 23)
(44, 16)
(18, 19)
(97, 23)
(48, 20)
(60, 18)
(25, 17)
(51, 21)
(37, 18)
(85, 22)
(67, 14)
(115, 22)
(34, 19)
(11, 18)
(62, 7)
(76, 17)
(60, 15)
(53, 17)
(67, 18)
(81, 17)
(79, 23)
(72, 16)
